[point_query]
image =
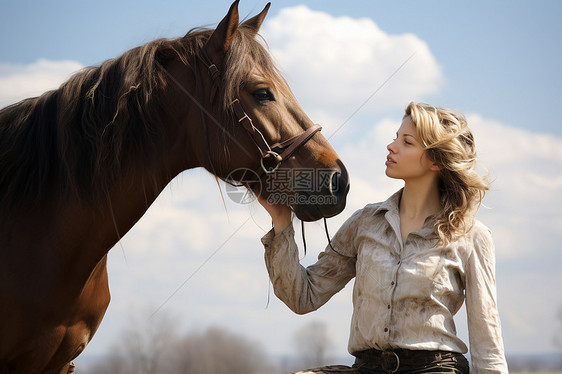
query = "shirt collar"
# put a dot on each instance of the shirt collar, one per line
(391, 205)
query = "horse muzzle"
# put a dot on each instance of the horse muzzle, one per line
(327, 201)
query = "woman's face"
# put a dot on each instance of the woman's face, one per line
(407, 159)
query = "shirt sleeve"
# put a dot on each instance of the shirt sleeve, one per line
(484, 326)
(304, 290)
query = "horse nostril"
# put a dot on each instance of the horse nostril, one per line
(339, 185)
(335, 183)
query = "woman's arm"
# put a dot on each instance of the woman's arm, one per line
(484, 326)
(301, 289)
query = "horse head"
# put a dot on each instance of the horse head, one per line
(255, 131)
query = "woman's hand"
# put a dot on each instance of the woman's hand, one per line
(280, 214)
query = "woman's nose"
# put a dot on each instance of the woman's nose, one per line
(390, 146)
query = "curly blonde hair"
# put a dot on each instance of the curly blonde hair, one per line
(449, 143)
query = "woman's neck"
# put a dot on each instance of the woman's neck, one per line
(420, 200)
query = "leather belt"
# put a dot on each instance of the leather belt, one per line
(391, 360)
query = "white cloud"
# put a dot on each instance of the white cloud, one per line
(526, 192)
(505, 146)
(338, 62)
(18, 82)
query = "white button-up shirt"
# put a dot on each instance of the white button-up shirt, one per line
(405, 294)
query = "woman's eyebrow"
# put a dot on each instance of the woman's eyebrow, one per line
(406, 134)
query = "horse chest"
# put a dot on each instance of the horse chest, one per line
(60, 331)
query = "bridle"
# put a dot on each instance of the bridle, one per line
(277, 152)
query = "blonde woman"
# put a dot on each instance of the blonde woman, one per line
(416, 258)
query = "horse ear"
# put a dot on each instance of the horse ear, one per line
(255, 22)
(221, 39)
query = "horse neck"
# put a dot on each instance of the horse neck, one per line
(86, 231)
(76, 231)
(99, 225)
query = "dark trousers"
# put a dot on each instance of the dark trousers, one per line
(408, 361)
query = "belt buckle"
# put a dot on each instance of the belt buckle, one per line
(387, 358)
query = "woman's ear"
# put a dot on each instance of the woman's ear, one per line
(435, 167)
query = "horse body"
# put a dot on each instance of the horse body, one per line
(54, 283)
(101, 149)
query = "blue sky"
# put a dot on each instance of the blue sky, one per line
(498, 62)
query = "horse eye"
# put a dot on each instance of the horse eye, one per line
(263, 94)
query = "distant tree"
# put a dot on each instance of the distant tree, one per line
(313, 344)
(558, 333)
(151, 345)
(142, 346)
(216, 351)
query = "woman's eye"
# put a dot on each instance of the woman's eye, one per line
(264, 94)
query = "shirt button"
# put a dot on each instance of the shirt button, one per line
(388, 306)
(392, 283)
(386, 329)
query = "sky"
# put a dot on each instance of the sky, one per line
(353, 66)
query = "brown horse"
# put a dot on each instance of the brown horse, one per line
(80, 165)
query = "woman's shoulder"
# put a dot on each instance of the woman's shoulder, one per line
(373, 207)
(361, 216)
(376, 210)
(480, 237)
(361, 220)
(368, 210)
(479, 230)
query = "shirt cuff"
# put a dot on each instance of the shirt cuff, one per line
(270, 239)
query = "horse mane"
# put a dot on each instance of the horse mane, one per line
(105, 120)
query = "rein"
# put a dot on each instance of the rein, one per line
(327, 236)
